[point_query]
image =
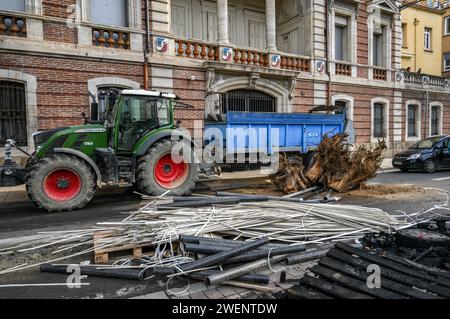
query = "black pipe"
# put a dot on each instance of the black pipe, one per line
(219, 257)
(201, 275)
(259, 197)
(250, 256)
(199, 203)
(131, 274)
(306, 257)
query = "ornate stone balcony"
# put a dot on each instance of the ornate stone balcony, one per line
(425, 81)
(208, 51)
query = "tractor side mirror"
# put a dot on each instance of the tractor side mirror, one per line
(94, 112)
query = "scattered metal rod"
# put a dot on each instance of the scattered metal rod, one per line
(248, 197)
(306, 257)
(200, 203)
(131, 274)
(217, 258)
(250, 256)
(201, 275)
(239, 271)
(309, 190)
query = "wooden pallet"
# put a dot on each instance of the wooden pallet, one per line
(103, 255)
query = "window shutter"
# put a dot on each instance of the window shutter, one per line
(212, 27)
(13, 5)
(179, 21)
(257, 35)
(114, 13)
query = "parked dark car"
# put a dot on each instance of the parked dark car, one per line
(429, 155)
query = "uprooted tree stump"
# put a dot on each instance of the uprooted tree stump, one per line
(333, 166)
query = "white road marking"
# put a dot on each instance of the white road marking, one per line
(441, 179)
(388, 171)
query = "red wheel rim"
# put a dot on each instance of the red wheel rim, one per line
(169, 174)
(62, 185)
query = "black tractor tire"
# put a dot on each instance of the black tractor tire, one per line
(42, 174)
(146, 173)
(420, 238)
(430, 166)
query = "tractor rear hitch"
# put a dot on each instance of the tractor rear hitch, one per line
(11, 174)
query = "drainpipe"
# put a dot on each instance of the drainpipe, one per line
(328, 49)
(416, 23)
(147, 44)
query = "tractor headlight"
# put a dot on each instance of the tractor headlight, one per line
(414, 157)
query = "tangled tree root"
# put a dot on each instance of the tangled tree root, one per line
(333, 166)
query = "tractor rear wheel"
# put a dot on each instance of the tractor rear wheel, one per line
(158, 172)
(60, 183)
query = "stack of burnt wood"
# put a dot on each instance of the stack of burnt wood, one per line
(333, 165)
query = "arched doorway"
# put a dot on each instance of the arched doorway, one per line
(13, 114)
(247, 101)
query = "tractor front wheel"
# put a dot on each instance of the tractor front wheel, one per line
(60, 183)
(158, 172)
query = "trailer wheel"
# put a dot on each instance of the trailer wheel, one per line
(60, 183)
(158, 173)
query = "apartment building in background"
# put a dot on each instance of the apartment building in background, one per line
(56, 57)
(422, 38)
(446, 40)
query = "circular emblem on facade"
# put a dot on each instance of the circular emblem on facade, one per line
(276, 60)
(320, 66)
(227, 54)
(162, 44)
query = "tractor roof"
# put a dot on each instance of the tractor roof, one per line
(149, 93)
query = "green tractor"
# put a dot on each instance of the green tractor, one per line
(130, 143)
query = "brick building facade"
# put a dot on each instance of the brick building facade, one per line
(56, 56)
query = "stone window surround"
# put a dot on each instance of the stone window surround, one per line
(95, 83)
(353, 30)
(134, 21)
(30, 82)
(418, 123)
(349, 100)
(441, 114)
(284, 104)
(386, 102)
(387, 42)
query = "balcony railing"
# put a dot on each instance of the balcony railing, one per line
(197, 50)
(251, 57)
(295, 63)
(13, 26)
(111, 39)
(426, 81)
(343, 69)
(379, 74)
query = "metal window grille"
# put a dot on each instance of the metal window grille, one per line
(435, 120)
(379, 121)
(13, 116)
(247, 101)
(412, 121)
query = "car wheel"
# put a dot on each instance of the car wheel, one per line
(430, 166)
(404, 170)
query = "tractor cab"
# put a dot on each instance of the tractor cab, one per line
(133, 114)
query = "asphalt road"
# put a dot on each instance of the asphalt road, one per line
(440, 179)
(25, 220)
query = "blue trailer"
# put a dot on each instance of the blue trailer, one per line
(246, 132)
